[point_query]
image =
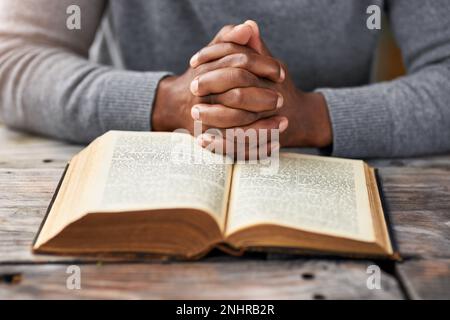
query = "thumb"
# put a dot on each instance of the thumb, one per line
(255, 42)
(247, 34)
(240, 34)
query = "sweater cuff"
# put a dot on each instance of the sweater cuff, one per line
(360, 122)
(126, 100)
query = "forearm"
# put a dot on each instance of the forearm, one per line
(405, 117)
(64, 96)
(47, 84)
(410, 115)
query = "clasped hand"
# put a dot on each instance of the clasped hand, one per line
(234, 83)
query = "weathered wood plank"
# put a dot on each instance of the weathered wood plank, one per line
(418, 201)
(300, 279)
(25, 196)
(426, 279)
(441, 162)
(19, 150)
(416, 189)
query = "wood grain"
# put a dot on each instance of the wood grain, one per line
(426, 279)
(418, 201)
(25, 196)
(23, 151)
(417, 194)
(441, 162)
(300, 279)
(30, 168)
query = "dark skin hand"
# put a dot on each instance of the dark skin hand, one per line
(235, 82)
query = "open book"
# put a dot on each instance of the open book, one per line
(161, 193)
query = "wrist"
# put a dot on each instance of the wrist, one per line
(162, 117)
(311, 125)
(321, 133)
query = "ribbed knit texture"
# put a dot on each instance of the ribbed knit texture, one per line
(119, 92)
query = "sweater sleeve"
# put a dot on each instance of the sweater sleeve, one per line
(410, 115)
(47, 84)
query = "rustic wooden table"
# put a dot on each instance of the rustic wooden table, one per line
(417, 193)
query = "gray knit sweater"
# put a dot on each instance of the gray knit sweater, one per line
(49, 86)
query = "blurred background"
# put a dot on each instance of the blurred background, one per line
(388, 59)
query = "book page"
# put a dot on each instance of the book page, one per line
(164, 170)
(317, 194)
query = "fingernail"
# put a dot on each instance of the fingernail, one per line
(282, 74)
(195, 113)
(280, 101)
(253, 25)
(194, 60)
(194, 86)
(283, 125)
(240, 26)
(237, 30)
